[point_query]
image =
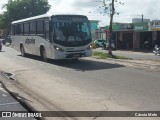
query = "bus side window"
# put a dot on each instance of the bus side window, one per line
(47, 30)
(13, 30)
(26, 28)
(40, 27)
(33, 27)
(20, 27)
(16, 31)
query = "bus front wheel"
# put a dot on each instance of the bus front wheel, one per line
(75, 59)
(22, 51)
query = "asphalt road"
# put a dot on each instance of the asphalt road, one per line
(8, 103)
(85, 85)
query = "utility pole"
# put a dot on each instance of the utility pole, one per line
(112, 12)
(142, 18)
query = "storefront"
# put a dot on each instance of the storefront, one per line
(155, 28)
(137, 36)
(123, 33)
(142, 36)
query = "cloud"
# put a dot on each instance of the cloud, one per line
(83, 4)
(1, 5)
(84, 7)
(130, 9)
(71, 6)
(135, 9)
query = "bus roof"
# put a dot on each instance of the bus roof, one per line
(32, 18)
(42, 16)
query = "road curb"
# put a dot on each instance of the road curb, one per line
(141, 63)
(131, 63)
(30, 100)
(11, 87)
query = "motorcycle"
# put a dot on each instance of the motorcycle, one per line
(156, 50)
(147, 45)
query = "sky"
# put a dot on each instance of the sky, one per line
(130, 9)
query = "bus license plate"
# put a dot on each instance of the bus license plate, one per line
(76, 55)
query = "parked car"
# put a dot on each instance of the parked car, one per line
(0, 44)
(99, 42)
(105, 45)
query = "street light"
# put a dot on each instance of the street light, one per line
(142, 17)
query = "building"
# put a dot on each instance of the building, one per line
(139, 20)
(94, 29)
(136, 36)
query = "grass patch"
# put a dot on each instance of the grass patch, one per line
(102, 55)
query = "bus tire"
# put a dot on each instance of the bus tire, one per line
(43, 54)
(22, 51)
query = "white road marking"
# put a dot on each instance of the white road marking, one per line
(54, 67)
(4, 95)
(43, 64)
(12, 103)
(2, 89)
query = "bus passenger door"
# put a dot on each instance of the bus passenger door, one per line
(48, 39)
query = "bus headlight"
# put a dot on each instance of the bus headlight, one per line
(58, 49)
(89, 47)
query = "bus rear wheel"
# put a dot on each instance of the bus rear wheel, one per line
(43, 54)
(22, 51)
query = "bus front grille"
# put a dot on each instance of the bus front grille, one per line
(76, 51)
(75, 55)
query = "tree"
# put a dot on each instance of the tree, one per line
(2, 25)
(108, 7)
(20, 9)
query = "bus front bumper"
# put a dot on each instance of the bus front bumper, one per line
(69, 55)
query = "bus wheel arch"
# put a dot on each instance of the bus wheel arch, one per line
(22, 50)
(43, 53)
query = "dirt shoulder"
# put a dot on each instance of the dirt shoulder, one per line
(146, 64)
(140, 60)
(150, 65)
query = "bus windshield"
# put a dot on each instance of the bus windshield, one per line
(71, 31)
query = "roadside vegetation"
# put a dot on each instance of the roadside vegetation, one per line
(102, 55)
(20, 9)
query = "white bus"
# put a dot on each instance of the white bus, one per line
(53, 36)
